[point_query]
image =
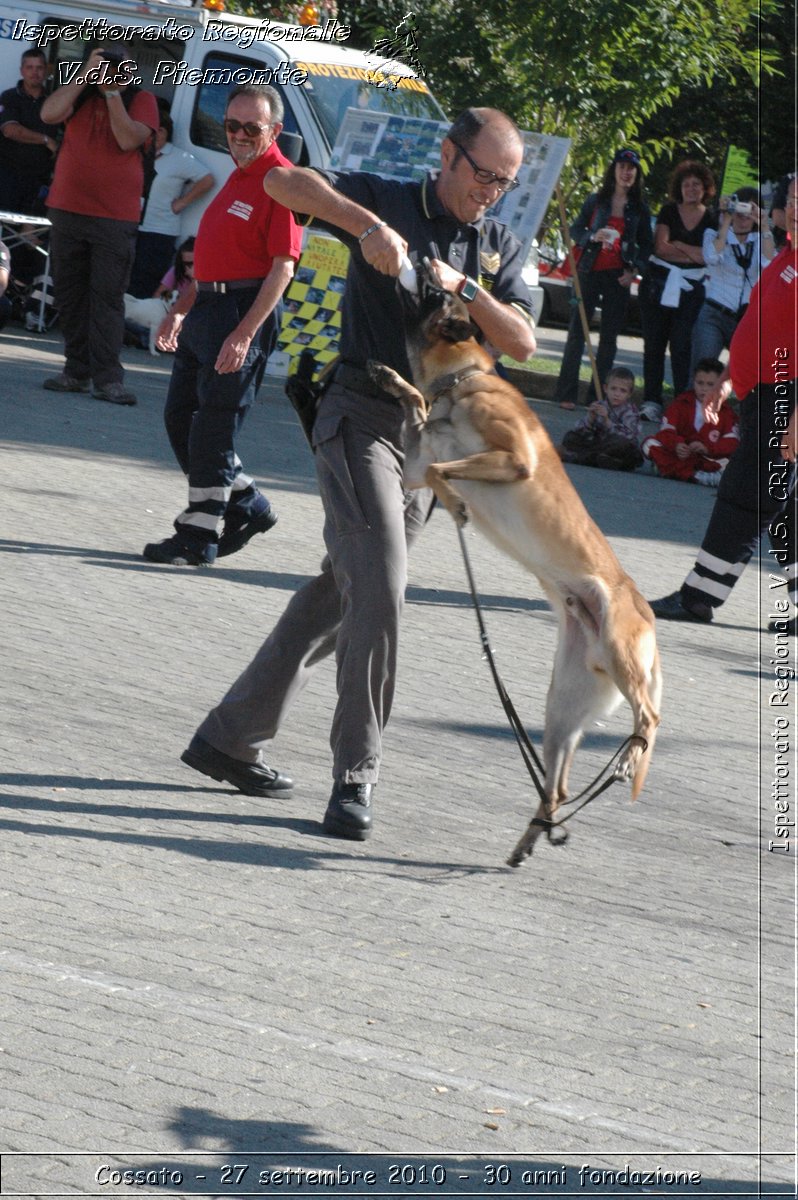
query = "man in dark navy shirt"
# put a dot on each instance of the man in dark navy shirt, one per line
(27, 144)
(353, 607)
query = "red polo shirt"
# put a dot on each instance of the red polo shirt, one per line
(93, 176)
(765, 344)
(243, 230)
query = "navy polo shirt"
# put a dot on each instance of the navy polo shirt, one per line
(371, 314)
(27, 158)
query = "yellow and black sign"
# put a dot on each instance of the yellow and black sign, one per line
(312, 316)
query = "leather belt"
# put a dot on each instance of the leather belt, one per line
(228, 285)
(730, 312)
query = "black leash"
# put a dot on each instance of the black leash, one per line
(534, 766)
(528, 751)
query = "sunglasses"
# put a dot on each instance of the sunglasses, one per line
(487, 178)
(250, 128)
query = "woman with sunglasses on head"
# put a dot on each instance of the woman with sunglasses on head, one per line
(672, 290)
(612, 237)
(180, 276)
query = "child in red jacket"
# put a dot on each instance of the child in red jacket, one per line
(687, 445)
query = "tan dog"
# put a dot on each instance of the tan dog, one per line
(473, 439)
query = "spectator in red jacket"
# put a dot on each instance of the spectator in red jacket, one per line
(689, 445)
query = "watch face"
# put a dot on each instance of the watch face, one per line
(469, 291)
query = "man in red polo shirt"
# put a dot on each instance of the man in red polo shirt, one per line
(95, 204)
(244, 256)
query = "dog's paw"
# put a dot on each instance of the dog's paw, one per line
(524, 847)
(628, 764)
(460, 514)
(378, 373)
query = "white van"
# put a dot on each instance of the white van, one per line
(191, 57)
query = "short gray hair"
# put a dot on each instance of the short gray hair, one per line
(269, 94)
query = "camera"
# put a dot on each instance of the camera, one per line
(740, 208)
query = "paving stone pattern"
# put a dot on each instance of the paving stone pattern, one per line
(190, 974)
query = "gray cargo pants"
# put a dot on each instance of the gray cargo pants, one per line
(353, 607)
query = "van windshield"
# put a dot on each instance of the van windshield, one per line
(330, 96)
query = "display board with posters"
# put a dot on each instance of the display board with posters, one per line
(389, 145)
(524, 208)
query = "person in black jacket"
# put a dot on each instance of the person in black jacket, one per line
(613, 238)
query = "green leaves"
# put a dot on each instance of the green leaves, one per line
(602, 72)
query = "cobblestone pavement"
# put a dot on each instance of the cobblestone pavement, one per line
(191, 975)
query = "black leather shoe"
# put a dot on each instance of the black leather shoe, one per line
(236, 535)
(251, 778)
(176, 553)
(673, 608)
(348, 814)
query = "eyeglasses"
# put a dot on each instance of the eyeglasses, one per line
(250, 128)
(488, 178)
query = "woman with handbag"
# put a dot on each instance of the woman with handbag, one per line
(612, 239)
(672, 290)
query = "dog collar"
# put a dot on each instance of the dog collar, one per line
(447, 382)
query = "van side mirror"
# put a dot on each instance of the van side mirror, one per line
(291, 144)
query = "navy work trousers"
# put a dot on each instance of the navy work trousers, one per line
(755, 495)
(205, 410)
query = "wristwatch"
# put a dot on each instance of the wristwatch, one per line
(468, 289)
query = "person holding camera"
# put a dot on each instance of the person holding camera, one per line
(756, 491)
(735, 253)
(94, 205)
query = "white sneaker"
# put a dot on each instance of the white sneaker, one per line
(651, 411)
(708, 478)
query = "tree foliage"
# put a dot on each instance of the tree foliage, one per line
(602, 72)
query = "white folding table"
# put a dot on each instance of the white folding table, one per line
(16, 230)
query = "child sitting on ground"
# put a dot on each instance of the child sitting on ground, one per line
(687, 445)
(608, 434)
